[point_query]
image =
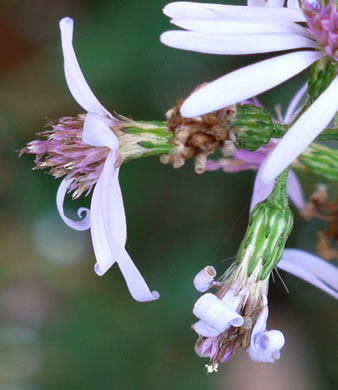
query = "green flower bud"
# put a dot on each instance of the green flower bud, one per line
(269, 227)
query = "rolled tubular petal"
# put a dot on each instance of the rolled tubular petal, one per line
(109, 231)
(97, 133)
(312, 269)
(84, 213)
(212, 311)
(137, 286)
(205, 330)
(247, 82)
(307, 127)
(236, 44)
(186, 9)
(271, 341)
(75, 79)
(203, 280)
(265, 345)
(231, 25)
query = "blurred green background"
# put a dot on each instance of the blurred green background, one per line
(63, 327)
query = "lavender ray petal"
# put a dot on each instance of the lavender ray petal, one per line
(203, 280)
(109, 230)
(247, 82)
(307, 127)
(97, 133)
(205, 330)
(137, 286)
(83, 212)
(215, 313)
(270, 341)
(312, 269)
(75, 79)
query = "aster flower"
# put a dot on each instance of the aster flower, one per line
(235, 316)
(87, 150)
(261, 27)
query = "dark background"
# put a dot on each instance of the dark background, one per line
(63, 327)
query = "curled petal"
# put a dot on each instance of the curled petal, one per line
(261, 357)
(312, 269)
(303, 132)
(271, 341)
(109, 232)
(75, 79)
(97, 133)
(212, 311)
(236, 44)
(137, 286)
(265, 345)
(205, 330)
(247, 82)
(83, 212)
(203, 280)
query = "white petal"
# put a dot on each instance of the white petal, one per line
(260, 325)
(292, 109)
(303, 132)
(236, 44)
(185, 9)
(247, 82)
(256, 3)
(312, 269)
(203, 280)
(136, 284)
(108, 230)
(293, 4)
(262, 357)
(205, 330)
(215, 313)
(295, 191)
(270, 341)
(82, 212)
(97, 133)
(75, 79)
(231, 25)
(275, 3)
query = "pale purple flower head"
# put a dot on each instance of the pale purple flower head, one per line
(322, 21)
(64, 153)
(85, 150)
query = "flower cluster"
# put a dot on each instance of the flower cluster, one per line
(88, 150)
(261, 27)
